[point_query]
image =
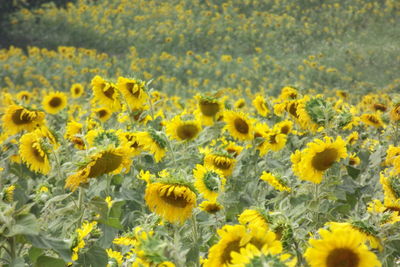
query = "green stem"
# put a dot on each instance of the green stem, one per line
(11, 243)
(172, 153)
(195, 238)
(80, 204)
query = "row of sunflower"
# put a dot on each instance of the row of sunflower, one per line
(120, 174)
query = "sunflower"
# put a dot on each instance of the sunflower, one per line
(318, 157)
(17, 118)
(132, 141)
(284, 127)
(103, 114)
(105, 93)
(235, 237)
(288, 93)
(210, 207)
(391, 190)
(395, 113)
(340, 247)
(352, 138)
(54, 102)
(134, 92)
(33, 153)
(393, 213)
(222, 162)
(173, 202)
(275, 182)
(107, 161)
(232, 148)
(76, 90)
(72, 132)
(24, 96)
(240, 103)
(261, 106)
(274, 141)
(238, 125)
(367, 232)
(254, 218)
(153, 142)
(354, 160)
(209, 109)
(209, 181)
(181, 130)
(372, 120)
(111, 137)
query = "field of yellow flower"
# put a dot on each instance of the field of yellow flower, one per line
(201, 133)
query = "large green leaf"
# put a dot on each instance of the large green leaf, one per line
(25, 224)
(60, 246)
(45, 261)
(94, 257)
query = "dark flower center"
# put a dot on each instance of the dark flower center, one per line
(108, 162)
(55, 102)
(226, 254)
(342, 257)
(325, 159)
(187, 131)
(208, 108)
(18, 118)
(241, 126)
(176, 201)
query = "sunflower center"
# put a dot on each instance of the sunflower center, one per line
(176, 201)
(241, 126)
(208, 108)
(373, 119)
(323, 160)
(212, 208)
(187, 131)
(109, 92)
(222, 164)
(36, 153)
(285, 129)
(380, 107)
(130, 87)
(20, 117)
(232, 151)
(102, 113)
(293, 109)
(108, 162)
(77, 90)
(211, 181)
(342, 257)
(226, 254)
(55, 102)
(272, 139)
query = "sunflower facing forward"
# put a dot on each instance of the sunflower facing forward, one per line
(183, 130)
(238, 125)
(33, 153)
(174, 202)
(18, 118)
(311, 163)
(340, 247)
(54, 102)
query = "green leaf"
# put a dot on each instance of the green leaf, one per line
(353, 172)
(45, 261)
(63, 248)
(25, 224)
(18, 262)
(95, 257)
(34, 253)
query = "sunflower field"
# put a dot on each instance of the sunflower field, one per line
(255, 133)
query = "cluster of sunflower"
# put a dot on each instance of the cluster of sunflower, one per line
(146, 179)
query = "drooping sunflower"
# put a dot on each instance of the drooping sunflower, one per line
(76, 90)
(106, 161)
(238, 125)
(54, 102)
(395, 113)
(261, 106)
(153, 142)
(223, 162)
(209, 109)
(210, 207)
(208, 181)
(182, 130)
(340, 247)
(134, 92)
(18, 118)
(352, 138)
(105, 93)
(318, 157)
(372, 120)
(232, 148)
(254, 218)
(103, 114)
(173, 202)
(275, 182)
(33, 153)
(288, 93)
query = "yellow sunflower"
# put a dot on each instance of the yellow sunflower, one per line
(181, 130)
(105, 93)
(134, 92)
(33, 153)
(209, 109)
(24, 96)
(238, 125)
(352, 138)
(17, 118)
(173, 202)
(107, 161)
(318, 157)
(372, 120)
(395, 113)
(275, 182)
(391, 190)
(72, 132)
(261, 105)
(76, 90)
(54, 102)
(354, 160)
(153, 142)
(240, 103)
(232, 148)
(103, 114)
(340, 247)
(224, 163)
(284, 127)
(132, 141)
(254, 218)
(376, 206)
(208, 181)
(274, 141)
(288, 93)
(210, 207)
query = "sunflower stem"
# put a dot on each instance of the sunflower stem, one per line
(195, 238)
(80, 204)
(172, 153)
